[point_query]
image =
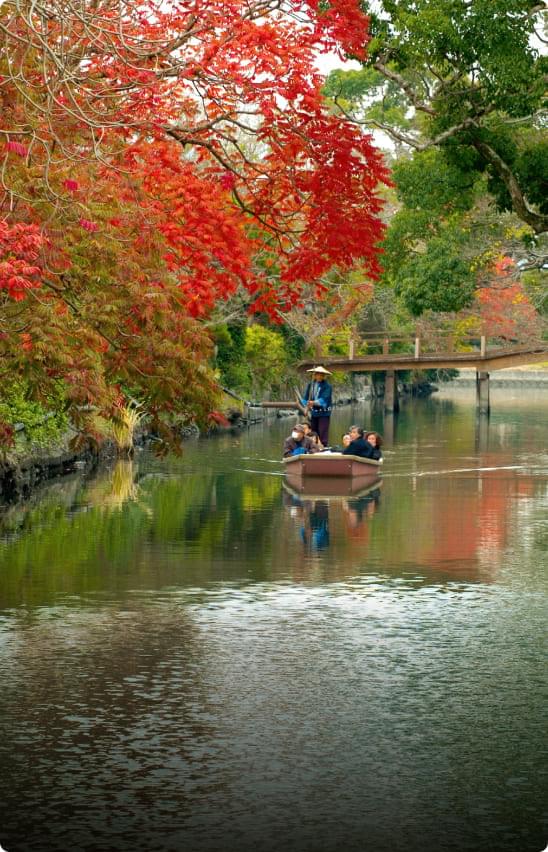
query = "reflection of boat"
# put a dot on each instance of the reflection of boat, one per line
(326, 487)
(331, 464)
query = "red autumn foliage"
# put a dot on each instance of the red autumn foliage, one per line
(17, 148)
(20, 247)
(185, 157)
(505, 310)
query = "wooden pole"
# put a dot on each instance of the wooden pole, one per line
(279, 405)
(351, 349)
(482, 391)
(388, 428)
(417, 348)
(391, 391)
(483, 346)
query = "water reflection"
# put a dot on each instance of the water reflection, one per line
(110, 492)
(198, 654)
(447, 510)
(311, 509)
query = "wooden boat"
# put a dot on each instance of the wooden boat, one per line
(331, 487)
(331, 464)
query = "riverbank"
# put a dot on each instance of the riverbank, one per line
(24, 471)
(19, 477)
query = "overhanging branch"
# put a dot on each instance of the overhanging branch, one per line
(537, 221)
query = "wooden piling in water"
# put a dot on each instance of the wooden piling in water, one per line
(391, 402)
(482, 391)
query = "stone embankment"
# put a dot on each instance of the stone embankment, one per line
(525, 377)
(19, 478)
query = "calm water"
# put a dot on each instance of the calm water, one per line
(194, 658)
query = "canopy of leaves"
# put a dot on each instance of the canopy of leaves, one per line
(438, 280)
(458, 90)
(157, 160)
(468, 77)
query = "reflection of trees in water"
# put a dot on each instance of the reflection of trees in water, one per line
(131, 528)
(112, 491)
(458, 526)
(110, 724)
(122, 526)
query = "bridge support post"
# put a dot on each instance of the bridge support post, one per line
(482, 434)
(389, 428)
(391, 402)
(482, 392)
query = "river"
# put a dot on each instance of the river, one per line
(193, 657)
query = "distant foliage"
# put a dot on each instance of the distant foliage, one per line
(267, 357)
(43, 424)
(230, 342)
(505, 309)
(459, 88)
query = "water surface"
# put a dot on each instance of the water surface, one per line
(195, 657)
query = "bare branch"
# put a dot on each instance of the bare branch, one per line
(404, 84)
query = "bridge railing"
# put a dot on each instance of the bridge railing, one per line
(439, 342)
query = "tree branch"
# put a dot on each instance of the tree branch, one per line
(537, 221)
(405, 85)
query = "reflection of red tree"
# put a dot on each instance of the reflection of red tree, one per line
(471, 520)
(356, 521)
(357, 531)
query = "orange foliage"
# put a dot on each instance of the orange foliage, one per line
(505, 310)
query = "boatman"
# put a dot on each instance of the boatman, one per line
(318, 402)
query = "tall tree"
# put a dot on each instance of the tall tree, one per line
(467, 77)
(458, 89)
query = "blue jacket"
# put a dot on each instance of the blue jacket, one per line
(321, 394)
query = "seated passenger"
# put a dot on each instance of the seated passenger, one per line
(375, 442)
(346, 439)
(298, 444)
(358, 446)
(314, 437)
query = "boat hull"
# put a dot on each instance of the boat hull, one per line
(331, 487)
(331, 464)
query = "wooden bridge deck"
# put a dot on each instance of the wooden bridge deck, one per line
(494, 359)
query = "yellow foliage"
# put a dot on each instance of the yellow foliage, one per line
(114, 489)
(462, 329)
(122, 429)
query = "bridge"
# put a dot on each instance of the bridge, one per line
(481, 354)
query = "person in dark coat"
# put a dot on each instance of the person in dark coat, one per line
(375, 441)
(318, 401)
(358, 446)
(298, 444)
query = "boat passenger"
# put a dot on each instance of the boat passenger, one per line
(375, 442)
(358, 446)
(314, 437)
(298, 444)
(346, 439)
(318, 401)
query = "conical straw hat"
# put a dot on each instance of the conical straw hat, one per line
(319, 370)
